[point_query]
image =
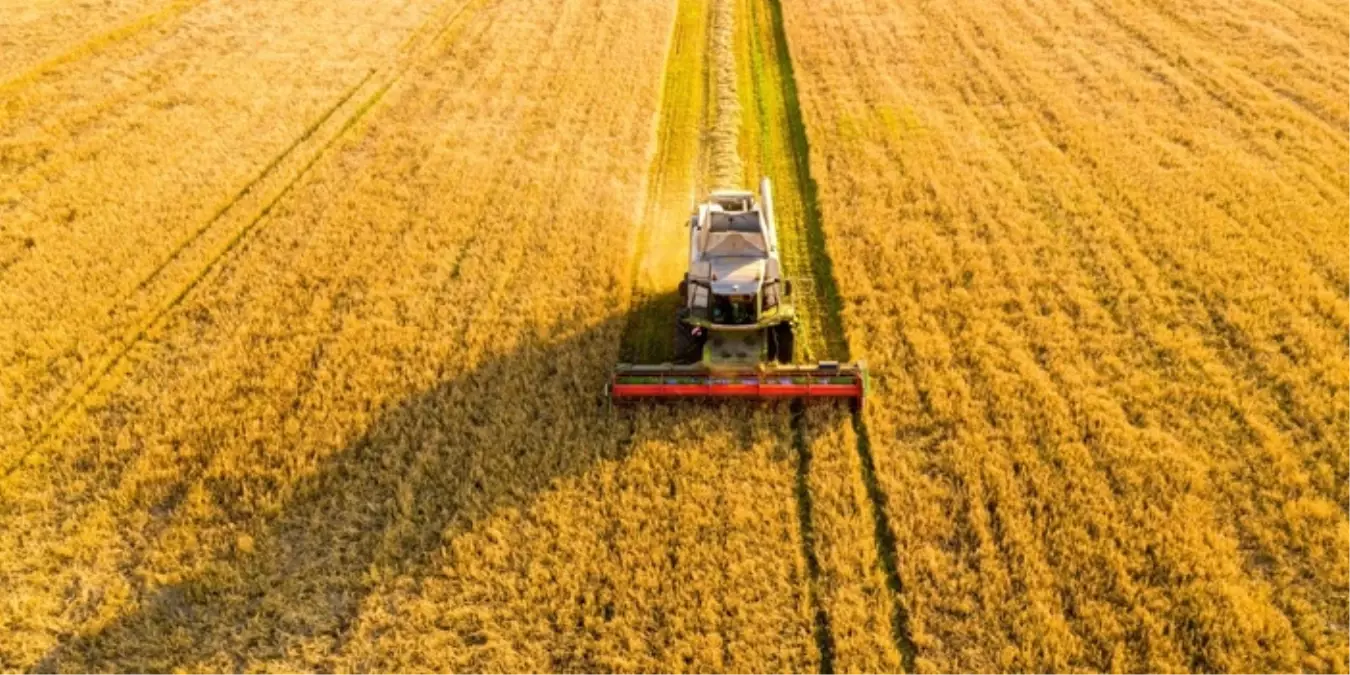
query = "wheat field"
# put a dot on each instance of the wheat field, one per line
(306, 308)
(1098, 253)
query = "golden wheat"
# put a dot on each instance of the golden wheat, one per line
(305, 308)
(39, 34)
(1095, 252)
(122, 172)
(682, 556)
(368, 437)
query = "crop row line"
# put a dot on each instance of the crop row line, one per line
(115, 353)
(249, 187)
(826, 291)
(763, 129)
(88, 47)
(806, 522)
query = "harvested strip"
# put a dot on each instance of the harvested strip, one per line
(724, 161)
(660, 252)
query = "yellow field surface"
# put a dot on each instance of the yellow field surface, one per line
(37, 35)
(365, 430)
(306, 309)
(125, 171)
(721, 118)
(1096, 256)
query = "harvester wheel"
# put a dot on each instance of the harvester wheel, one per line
(782, 342)
(688, 346)
(684, 290)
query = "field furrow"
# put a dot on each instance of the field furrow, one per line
(136, 165)
(307, 309)
(39, 36)
(1097, 264)
(855, 559)
(342, 486)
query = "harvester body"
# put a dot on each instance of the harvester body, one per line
(735, 328)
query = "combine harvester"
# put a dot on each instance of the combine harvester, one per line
(734, 330)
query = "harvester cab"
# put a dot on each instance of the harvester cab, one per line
(734, 332)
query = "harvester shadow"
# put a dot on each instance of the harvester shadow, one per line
(423, 473)
(648, 335)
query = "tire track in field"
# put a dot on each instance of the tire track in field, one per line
(696, 149)
(257, 182)
(110, 144)
(248, 188)
(93, 45)
(806, 518)
(795, 261)
(806, 255)
(305, 151)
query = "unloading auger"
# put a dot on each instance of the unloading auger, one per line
(734, 331)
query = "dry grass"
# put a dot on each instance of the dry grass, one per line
(37, 35)
(369, 436)
(1096, 254)
(850, 576)
(305, 308)
(130, 169)
(724, 165)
